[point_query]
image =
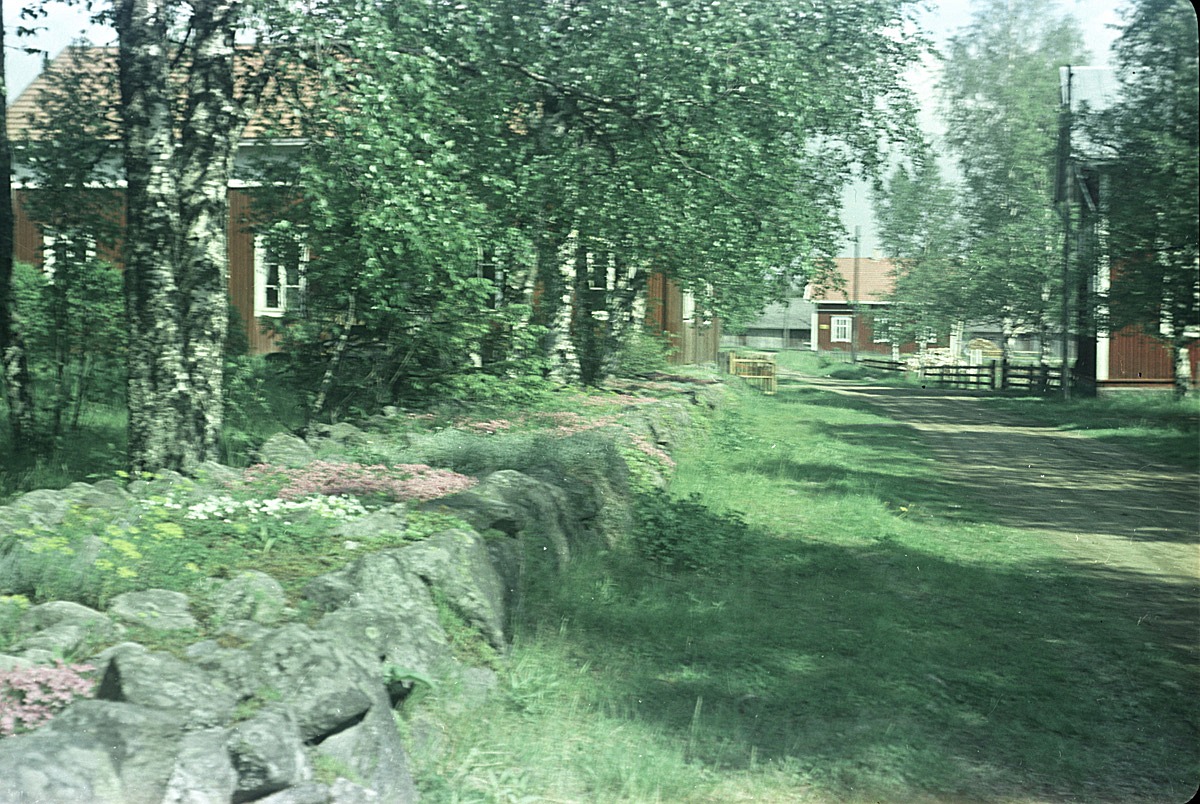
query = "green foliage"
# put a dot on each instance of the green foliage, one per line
(12, 607)
(642, 352)
(73, 324)
(1001, 102)
(489, 390)
(513, 187)
(259, 402)
(539, 454)
(924, 234)
(684, 534)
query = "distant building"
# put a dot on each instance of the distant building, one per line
(1087, 187)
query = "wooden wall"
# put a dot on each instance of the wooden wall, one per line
(27, 243)
(865, 333)
(693, 343)
(241, 272)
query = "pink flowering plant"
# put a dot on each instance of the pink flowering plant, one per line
(399, 482)
(31, 696)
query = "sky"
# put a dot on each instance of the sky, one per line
(943, 18)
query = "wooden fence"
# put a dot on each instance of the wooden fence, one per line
(756, 368)
(997, 375)
(883, 365)
(1034, 379)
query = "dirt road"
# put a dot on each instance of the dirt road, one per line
(1108, 508)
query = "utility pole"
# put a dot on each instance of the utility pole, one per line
(1068, 187)
(854, 297)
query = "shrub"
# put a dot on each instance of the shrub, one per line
(31, 696)
(683, 534)
(643, 352)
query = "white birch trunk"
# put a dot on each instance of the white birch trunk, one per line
(175, 249)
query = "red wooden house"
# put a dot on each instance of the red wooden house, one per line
(1087, 190)
(262, 283)
(852, 318)
(264, 278)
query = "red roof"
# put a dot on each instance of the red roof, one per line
(95, 69)
(875, 281)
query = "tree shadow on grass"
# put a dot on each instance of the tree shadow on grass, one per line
(934, 496)
(1015, 475)
(886, 673)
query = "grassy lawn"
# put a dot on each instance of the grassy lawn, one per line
(847, 646)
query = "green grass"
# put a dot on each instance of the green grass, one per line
(866, 646)
(1154, 423)
(94, 451)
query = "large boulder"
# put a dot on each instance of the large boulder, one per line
(267, 754)
(285, 449)
(382, 604)
(64, 628)
(250, 595)
(93, 751)
(388, 521)
(456, 564)
(327, 680)
(160, 609)
(515, 504)
(136, 675)
(203, 770)
(43, 508)
(412, 644)
(342, 791)
(35, 558)
(374, 756)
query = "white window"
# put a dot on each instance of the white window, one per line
(840, 328)
(279, 267)
(65, 247)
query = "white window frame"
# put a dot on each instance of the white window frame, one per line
(839, 324)
(51, 238)
(261, 286)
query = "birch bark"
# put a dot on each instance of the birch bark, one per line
(179, 150)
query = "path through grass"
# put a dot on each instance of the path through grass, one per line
(863, 646)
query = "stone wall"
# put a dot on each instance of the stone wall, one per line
(279, 703)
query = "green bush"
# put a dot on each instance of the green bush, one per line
(643, 352)
(74, 330)
(683, 534)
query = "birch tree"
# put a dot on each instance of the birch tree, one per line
(1000, 93)
(179, 147)
(13, 360)
(922, 231)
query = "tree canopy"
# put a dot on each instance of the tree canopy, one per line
(1000, 102)
(486, 187)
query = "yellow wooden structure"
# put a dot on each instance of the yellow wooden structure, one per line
(756, 368)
